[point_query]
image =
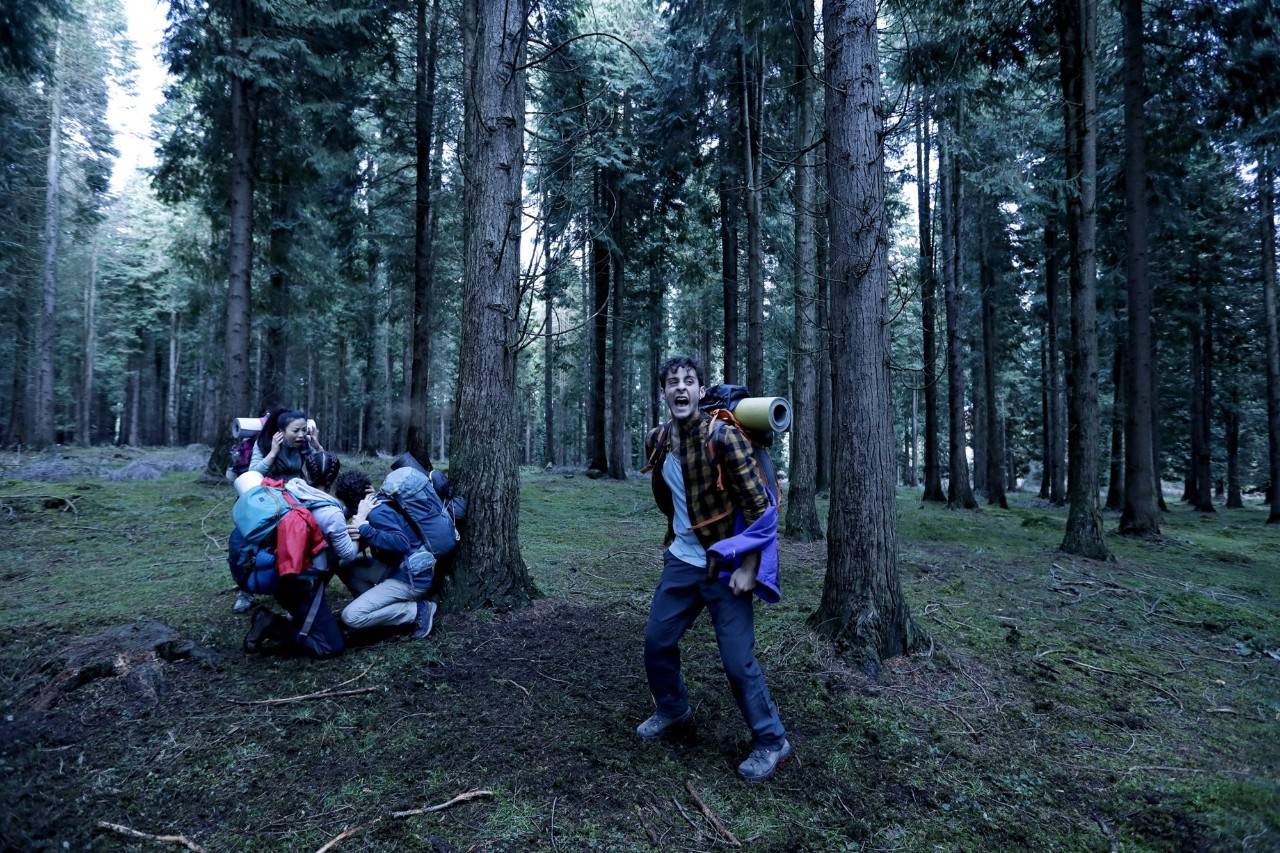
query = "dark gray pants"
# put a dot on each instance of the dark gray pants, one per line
(683, 590)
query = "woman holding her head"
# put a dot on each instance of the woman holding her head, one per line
(282, 445)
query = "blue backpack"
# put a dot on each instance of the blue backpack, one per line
(251, 553)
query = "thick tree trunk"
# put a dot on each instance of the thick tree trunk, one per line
(928, 311)
(85, 430)
(1267, 214)
(862, 604)
(802, 512)
(978, 409)
(994, 434)
(1115, 476)
(240, 221)
(959, 492)
(599, 458)
(43, 413)
(728, 265)
(1140, 515)
(418, 434)
(489, 571)
(1077, 28)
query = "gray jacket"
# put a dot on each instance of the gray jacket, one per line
(329, 515)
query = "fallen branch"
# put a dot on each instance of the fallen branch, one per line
(319, 694)
(146, 836)
(648, 831)
(1152, 685)
(716, 823)
(356, 830)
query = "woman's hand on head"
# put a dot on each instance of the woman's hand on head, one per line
(367, 504)
(277, 441)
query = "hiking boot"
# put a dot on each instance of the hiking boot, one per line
(259, 624)
(426, 616)
(243, 602)
(659, 724)
(763, 762)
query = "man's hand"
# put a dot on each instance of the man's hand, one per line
(743, 579)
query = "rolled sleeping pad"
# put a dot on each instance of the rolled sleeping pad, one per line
(764, 413)
(247, 481)
(245, 427)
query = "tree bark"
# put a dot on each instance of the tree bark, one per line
(994, 434)
(862, 604)
(44, 416)
(85, 430)
(928, 310)
(1267, 214)
(418, 433)
(599, 460)
(802, 511)
(959, 492)
(1077, 30)
(240, 219)
(1231, 424)
(755, 248)
(490, 571)
(1204, 454)
(618, 366)
(1140, 515)
(548, 377)
(1057, 459)
(728, 264)
(1046, 419)
(823, 407)
(1115, 476)
(171, 387)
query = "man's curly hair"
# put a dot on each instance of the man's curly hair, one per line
(350, 488)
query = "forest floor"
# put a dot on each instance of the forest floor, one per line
(1065, 704)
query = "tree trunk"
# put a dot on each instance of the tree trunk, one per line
(1046, 419)
(240, 219)
(1190, 481)
(548, 378)
(755, 248)
(171, 387)
(994, 434)
(656, 343)
(44, 416)
(1115, 477)
(600, 336)
(802, 511)
(978, 408)
(1140, 516)
(618, 366)
(1157, 460)
(823, 407)
(1266, 206)
(1231, 423)
(928, 311)
(959, 492)
(85, 431)
(489, 571)
(729, 265)
(274, 387)
(1057, 460)
(1204, 454)
(418, 434)
(862, 604)
(1077, 29)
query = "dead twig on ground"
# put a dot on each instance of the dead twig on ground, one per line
(648, 831)
(182, 840)
(716, 824)
(356, 830)
(1140, 680)
(319, 694)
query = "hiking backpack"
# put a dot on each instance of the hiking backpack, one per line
(251, 547)
(718, 404)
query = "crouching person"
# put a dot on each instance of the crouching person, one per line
(405, 527)
(276, 547)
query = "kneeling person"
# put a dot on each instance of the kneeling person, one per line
(403, 549)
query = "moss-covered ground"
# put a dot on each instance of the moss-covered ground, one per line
(1064, 705)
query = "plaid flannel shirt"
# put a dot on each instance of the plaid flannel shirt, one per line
(711, 508)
